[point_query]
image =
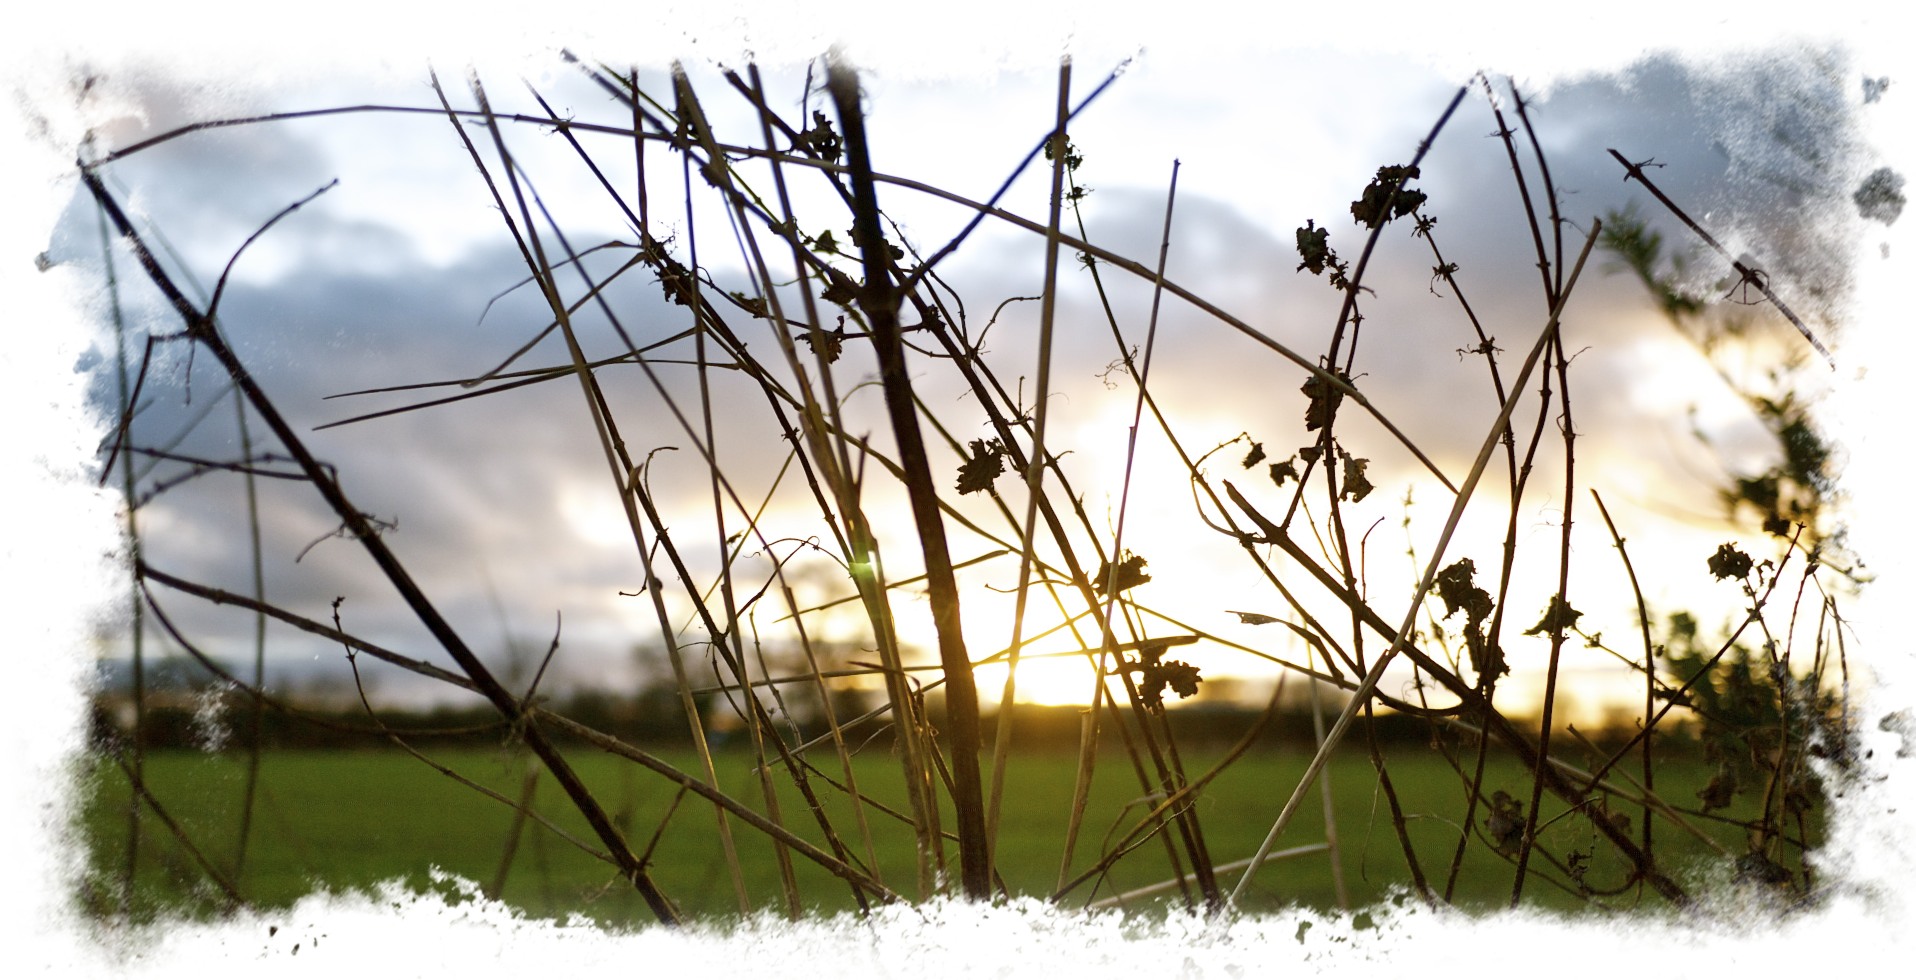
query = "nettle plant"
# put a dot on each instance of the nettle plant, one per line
(837, 301)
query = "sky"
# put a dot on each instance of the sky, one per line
(383, 280)
(502, 505)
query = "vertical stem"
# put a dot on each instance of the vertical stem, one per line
(510, 850)
(1081, 787)
(879, 301)
(136, 761)
(699, 328)
(1649, 672)
(254, 721)
(1034, 474)
(1556, 613)
(1464, 492)
(1324, 788)
(201, 329)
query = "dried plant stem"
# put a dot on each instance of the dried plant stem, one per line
(1331, 842)
(880, 305)
(254, 720)
(1634, 171)
(1648, 782)
(142, 795)
(1034, 475)
(1430, 574)
(761, 326)
(1560, 604)
(202, 330)
(727, 636)
(510, 849)
(1119, 900)
(136, 743)
(1178, 800)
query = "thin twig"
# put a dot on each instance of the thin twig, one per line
(1748, 276)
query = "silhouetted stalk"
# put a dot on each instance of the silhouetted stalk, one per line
(1554, 617)
(1181, 799)
(1396, 808)
(710, 323)
(1648, 782)
(1557, 630)
(837, 733)
(1165, 760)
(1034, 475)
(731, 654)
(880, 305)
(142, 794)
(1430, 573)
(255, 718)
(1747, 276)
(199, 327)
(510, 849)
(1519, 473)
(724, 636)
(721, 635)
(136, 741)
(1141, 377)
(1330, 810)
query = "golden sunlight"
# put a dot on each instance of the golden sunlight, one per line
(1048, 680)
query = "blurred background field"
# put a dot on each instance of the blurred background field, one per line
(349, 819)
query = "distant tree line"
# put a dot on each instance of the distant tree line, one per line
(189, 708)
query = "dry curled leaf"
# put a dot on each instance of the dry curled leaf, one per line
(1504, 826)
(985, 464)
(1154, 675)
(1557, 619)
(1457, 588)
(1130, 575)
(831, 343)
(1314, 246)
(821, 141)
(1324, 400)
(840, 289)
(1356, 485)
(1286, 470)
(1386, 197)
(1730, 562)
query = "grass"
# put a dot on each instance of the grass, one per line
(343, 820)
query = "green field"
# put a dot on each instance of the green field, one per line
(346, 820)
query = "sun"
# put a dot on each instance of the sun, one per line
(1046, 680)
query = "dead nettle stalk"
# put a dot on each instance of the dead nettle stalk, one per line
(840, 315)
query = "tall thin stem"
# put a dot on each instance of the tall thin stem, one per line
(879, 302)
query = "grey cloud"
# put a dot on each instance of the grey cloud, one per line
(1771, 197)
(473, 486)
